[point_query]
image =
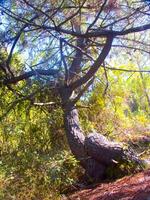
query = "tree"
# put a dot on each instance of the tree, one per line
(63, 45)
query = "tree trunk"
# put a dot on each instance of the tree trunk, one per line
(76, 140)
(75, 134)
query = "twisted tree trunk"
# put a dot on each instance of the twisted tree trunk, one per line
(95, 152)
(76, 140)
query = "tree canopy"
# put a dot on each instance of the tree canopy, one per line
(70, 39)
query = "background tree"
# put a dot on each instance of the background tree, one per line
(61, 46)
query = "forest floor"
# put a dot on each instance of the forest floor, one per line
(134, 187)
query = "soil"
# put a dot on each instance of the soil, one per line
(134, 187)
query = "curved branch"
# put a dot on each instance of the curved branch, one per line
(15, 42)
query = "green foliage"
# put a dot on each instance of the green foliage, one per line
(123, 112)
(62, 164)
(30, 175)
(35, 160)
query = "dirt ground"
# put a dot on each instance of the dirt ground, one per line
(135, 187)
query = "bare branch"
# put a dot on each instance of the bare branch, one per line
(83, 90)
(96, 18)
(44, 104)
(95, 33)
(15, 42)
(72, 16)
(39, 10)
(49, 72)
(126, 70)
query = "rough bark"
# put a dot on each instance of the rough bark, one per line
(102, 150)
(75, 135)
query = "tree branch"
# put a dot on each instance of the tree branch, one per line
(94, 68)
(96, 18)
(15, 42)
(83, 90)
(49, 72)
(72, 16)
(96, 33)
(44, 104)
(126, 70)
